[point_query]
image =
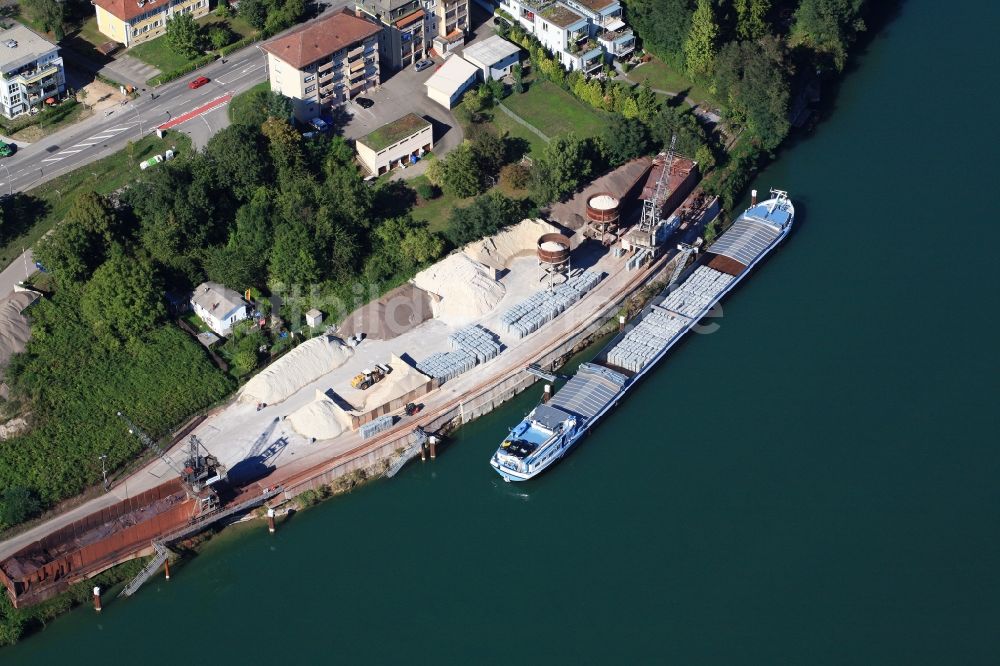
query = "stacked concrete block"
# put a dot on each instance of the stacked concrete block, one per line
(646, 340)
(531, 314)
(700, 289)
(470, 347)
(380, 424)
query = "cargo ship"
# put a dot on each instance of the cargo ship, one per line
(551, 429)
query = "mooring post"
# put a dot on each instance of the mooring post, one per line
(423, 453)
(432, 440)
(270, 520)
(621, 322)
(166, 569)
(97, 599)
(548, 393)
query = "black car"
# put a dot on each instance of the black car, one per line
(421, 65)
(364, 102)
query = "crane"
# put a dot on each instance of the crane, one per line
(148, 442)
(651, 207)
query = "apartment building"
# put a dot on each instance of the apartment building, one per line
(396, 144)
(132, 22)
(324, 62)
(450, 23)
(583, 34)
(412, 27)
(31, 71)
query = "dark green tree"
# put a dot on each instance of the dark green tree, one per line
(487, 215)
(828, 28)
(626, 139)
(459, 174)
(254, 107)
(753, 79)
(239, 156)
(751, 18)
(663, 26)
(564, 164)
(75, 248)
(183, 35)
(294, 257)
(253, 12)
(701, 44)
(17, 504)
(123, 301)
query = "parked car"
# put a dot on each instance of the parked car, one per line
(421, 65)
(319, 124)
(7, 149)
(364, 102)
(198, 83)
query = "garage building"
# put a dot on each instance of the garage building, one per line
(395, 144)
(451, 80)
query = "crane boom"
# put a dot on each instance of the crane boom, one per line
(150, 444)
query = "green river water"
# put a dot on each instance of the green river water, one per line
(814, 483)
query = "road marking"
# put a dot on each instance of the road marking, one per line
(53, 159)
(243, 73)
(85, 145)
(70, 152)
(183, 118)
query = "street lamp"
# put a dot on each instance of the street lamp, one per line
(104, 471)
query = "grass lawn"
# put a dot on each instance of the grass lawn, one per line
(554, 111)
(436, 211)
(50, 201)
(157, 52)
(663, 77)
(239, 101)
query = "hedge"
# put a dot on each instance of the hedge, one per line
(240, 43)
(166, 77)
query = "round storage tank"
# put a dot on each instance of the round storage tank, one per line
(602, 209)
(553, 249)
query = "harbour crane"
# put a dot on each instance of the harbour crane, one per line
(652, 207)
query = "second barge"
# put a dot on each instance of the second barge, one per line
(551, 429)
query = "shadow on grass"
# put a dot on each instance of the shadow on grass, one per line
(20, 213)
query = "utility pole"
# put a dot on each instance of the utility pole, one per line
(10, 182)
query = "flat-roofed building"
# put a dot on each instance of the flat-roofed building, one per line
(324, 62)
(447, 85)
(494, 56)
(132, 22)
(395, 144)
(404, 38)
(31, 71)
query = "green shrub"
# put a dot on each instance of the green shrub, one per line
(166, 77)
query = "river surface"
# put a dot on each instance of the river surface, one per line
(817, 482)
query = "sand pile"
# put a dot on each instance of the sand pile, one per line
(515, 241)
(304, 364)
(464, 290)
(395, 313)
(322, 418)
(403, 379)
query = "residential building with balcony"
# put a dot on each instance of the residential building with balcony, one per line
(132, 22)
(404, 38)
(582, 34)
(31, 71)
(451, 23)
(324, 63)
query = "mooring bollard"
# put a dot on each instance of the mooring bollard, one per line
(432, 440)
(548, 393)
(621, 322)
(166, 569)
(423, 453)
(270, 520)
(97, 599)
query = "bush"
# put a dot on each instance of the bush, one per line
(515, 176)
(241, 43)
(166, 77)
(427, 191)
(17, 504)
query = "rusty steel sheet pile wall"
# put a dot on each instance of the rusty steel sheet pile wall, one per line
(358, 420)
(94, 543)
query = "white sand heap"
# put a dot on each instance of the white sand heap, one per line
(403, 379)
(302, 365)
(515, 241)
(463, 289)
(322, 418)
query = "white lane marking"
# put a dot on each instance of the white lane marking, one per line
(116, 131)
(69, 152)
(53, 159)
(102, 137)
(243, 73)
(85, 145)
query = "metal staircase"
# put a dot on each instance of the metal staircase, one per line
(151, 568)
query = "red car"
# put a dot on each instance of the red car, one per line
(198, 83)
